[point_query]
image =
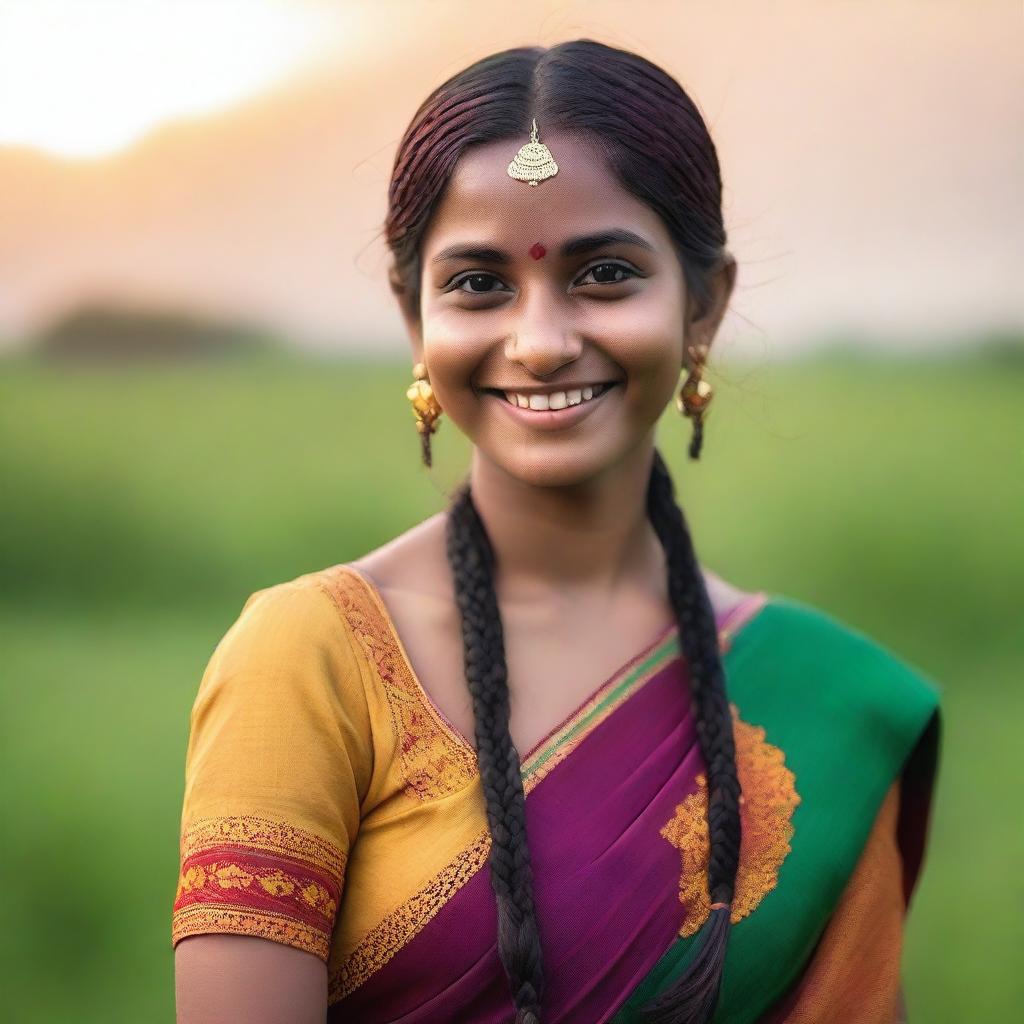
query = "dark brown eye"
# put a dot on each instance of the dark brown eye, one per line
(605, 268)
(476, 278)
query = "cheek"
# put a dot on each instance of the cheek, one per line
(454, 359)
(647, 342)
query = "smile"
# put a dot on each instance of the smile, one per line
(568, 408)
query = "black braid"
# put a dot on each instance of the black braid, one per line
(692, 1000)
(472, 560)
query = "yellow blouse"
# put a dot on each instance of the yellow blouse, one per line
(294, 751)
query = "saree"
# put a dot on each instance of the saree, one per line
(330, 805)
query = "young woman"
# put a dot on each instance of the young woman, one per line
(530, 761)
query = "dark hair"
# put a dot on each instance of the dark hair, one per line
(658, 146)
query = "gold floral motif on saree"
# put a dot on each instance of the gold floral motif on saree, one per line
(768, 800)
(434, 764)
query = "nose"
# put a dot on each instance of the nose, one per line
(543, 343)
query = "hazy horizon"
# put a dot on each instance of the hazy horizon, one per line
(872, 159)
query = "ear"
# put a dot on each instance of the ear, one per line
(703, 320)
(410, 314)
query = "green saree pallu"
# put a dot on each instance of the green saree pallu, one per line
(372, 853)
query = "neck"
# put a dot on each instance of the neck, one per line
(568, 544)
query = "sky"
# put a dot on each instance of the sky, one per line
(232, 157)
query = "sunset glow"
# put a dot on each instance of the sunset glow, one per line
(84, 79)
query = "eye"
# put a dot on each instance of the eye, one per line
(476, 276)
(626, 270)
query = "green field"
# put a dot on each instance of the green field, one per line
(142, 504)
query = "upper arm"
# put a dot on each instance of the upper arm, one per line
(278, 762)
(237, 977)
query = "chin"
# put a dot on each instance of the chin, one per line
(546, 466)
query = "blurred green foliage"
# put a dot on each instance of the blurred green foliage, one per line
(143, 503)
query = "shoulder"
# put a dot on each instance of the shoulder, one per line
(807, 638)
(292, 615)
(725, 596)
(291, 646)
(413, 562)
(796, 637)
(829, 691)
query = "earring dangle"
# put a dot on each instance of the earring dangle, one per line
(425, 408)
(694, 397)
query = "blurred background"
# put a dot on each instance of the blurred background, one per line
(202, 379)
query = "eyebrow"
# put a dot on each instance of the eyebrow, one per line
(572, 247)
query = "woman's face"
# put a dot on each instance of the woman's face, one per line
(531, 318)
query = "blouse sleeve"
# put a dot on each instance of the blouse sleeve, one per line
(277, 765)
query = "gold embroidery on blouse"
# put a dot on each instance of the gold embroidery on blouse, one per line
(766, 808)
(252, 876)
(203, 919)
(200, 879)
(256, 833)
(383, 941)
(434, 764)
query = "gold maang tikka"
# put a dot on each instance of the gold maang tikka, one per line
(425, 408)
(694, 397)
(533, 162)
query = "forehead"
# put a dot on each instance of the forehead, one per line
(481, 201)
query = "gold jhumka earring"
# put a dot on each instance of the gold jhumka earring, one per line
(425, 408)
(694, 397)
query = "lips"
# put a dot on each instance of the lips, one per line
(556, 419)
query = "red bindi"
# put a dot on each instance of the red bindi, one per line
(537, 250)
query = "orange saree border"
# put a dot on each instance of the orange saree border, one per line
(854, 974)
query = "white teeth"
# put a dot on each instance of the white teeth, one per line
(556, 400)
